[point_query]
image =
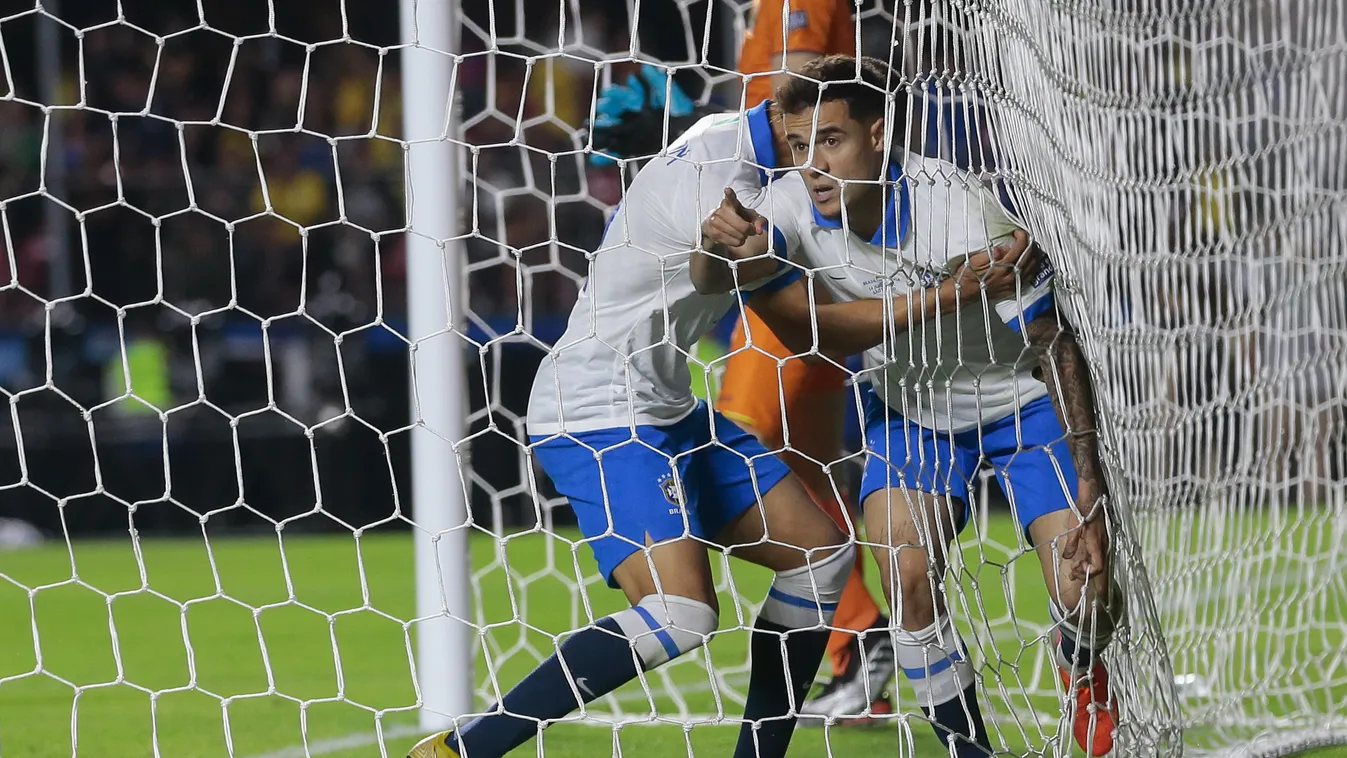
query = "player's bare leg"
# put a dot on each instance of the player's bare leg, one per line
(674, 610)
(910, 533)
(1086, 608)
(753, 391)
(862, 663)
(812, 558)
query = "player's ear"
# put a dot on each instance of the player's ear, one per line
(879, 134)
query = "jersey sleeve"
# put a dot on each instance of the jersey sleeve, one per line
(691, 185)
(1033, 300)
(783, 225)
(1036, 292)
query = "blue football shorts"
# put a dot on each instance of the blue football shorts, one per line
(663, 481)
(1027, 452)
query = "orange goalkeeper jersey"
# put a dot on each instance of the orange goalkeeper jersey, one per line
(811, 26)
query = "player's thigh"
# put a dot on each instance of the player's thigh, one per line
(786, 531)
(1032, 462)
(914, 493)
(909, 532)
(1034, 467)
(915, 483)
(1067, 588)
(679, 567)
(755, 506)
(628, 490)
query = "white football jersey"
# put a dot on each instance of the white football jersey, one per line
(623, 359)
(946, 374)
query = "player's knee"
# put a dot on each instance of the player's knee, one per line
(1069, 596)
(914, 598)
(807, 597)
(663, 627)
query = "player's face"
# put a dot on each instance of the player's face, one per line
(835, 150)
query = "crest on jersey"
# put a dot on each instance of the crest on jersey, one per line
(673, 491)
(797, 20)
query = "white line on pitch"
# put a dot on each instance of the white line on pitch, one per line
(338, 744)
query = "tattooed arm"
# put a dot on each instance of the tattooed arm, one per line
(1063, 368)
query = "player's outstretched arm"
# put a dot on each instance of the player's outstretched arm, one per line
(848, 328)
(792, 314)
(732, 233)
(1063, 368)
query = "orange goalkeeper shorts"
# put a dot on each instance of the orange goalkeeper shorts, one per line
(754, 390)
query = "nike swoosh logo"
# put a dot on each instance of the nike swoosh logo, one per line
(580, 682)
(841, 278)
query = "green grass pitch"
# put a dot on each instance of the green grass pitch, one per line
(215, 631)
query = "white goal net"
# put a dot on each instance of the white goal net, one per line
(205, 486)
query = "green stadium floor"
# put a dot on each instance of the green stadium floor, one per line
(252, 633)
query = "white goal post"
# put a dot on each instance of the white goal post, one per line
(435, 292)
(333, 293)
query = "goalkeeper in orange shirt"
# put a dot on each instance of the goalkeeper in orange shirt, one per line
(630, 121)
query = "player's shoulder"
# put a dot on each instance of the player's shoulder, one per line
(934, 180)
(802, 12)
(718, 135)
(720, 149)
(930, 171)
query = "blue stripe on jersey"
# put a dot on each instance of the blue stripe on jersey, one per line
(1035, 309)
(764, 146)
(606, 226)
(664, 637)
(779, 238)
(781, 282)
(785, 277)
(609, 223)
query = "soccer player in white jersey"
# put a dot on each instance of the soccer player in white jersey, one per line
(978, 384)
(655, 477)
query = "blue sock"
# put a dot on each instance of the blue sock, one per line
(768, 694)
(1073, 652)
(950, 719)
(599, 659)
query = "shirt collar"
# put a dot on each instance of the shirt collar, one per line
(897, 214)
(764, 145)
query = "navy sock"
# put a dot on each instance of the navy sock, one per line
(768, 695)
(948, 718)
(600, 660)
(1079, 656)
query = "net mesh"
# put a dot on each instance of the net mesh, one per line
(232, 262)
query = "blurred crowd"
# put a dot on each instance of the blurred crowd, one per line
(249, 177)
(217, 193)
(252, 177)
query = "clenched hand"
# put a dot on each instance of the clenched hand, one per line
(731, 224)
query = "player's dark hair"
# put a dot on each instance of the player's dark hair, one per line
(864, 88)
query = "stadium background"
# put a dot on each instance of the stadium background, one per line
(201, 263)
(198, 259)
